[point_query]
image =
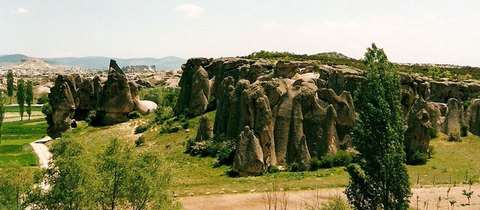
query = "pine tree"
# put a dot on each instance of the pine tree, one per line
(380, 180)
(10, 84)
(29, 98)
(21, 97)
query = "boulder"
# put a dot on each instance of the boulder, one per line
(205, 130)
(417, 135)
(472, 117)
(248, 159)
(145, 106)
(454, 117)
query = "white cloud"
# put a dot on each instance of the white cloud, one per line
(190, 10)
(20, 10)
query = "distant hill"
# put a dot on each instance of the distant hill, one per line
(99, 62)
(9, 59)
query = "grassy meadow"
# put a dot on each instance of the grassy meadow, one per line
(15, 140)
(452, 162)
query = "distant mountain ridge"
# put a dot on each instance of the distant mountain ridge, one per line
(101, 62)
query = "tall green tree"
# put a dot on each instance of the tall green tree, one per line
(380, 180)
(21, 97)
(29, 98)
(2, 114)
(10, 84)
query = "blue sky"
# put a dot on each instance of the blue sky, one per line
(427, 31)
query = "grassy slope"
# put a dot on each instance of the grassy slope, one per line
(16, 137)
(198, 176)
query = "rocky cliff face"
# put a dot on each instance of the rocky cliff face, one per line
(290, 112)
(74, 97)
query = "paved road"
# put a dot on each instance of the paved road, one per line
(42, 151)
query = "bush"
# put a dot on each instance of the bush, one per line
(464, 130)
(294, 167)
(162, 96)
(341, 158)
(455, 137)
(433, 133)
(273, 169)
(418, 158)
(184, 121)
(315, 164)
(431, 151)
(47, 109)
(224, 151)
(140, 141)
(134, 115)
(43, 99)
(163, 114)
(142, 128)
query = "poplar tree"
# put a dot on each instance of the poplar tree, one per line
(21, 97)
(29, 98)
(10, 84)
(380, 179)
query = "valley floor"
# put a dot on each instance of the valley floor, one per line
(428, 198)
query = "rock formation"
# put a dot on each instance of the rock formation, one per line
(290, 112)
(74, 97)
(205, 130)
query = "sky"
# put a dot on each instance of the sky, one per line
(410, 31)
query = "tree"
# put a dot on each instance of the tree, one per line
(112, 172)
(15, 182)
(68, 179)
(10, 84)
(21, 97)
(29, 98)
(2, 114)
(380, 180)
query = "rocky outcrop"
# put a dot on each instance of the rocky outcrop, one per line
(289, 112)
(472, 117)
(248, 158)
(116, 99)
(74, 97)
(63, 106)
(205, 130)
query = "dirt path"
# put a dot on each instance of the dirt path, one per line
(428, 198)
(42, 152)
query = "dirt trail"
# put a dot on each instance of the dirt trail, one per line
(428, 198)
(42, 152)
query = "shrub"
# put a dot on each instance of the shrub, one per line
(43, 99)
(273, 169)
(464, 130)
(47, 109)
(433, 132)
(335, 203)
(431, 151)
(140, 141)
(142, 128)
(294, 167)
(341, 158)
(226, 152)
(455, 137)
(418, 158)
(163, 114)
(315, 164)
(184, 121)
(134, 115)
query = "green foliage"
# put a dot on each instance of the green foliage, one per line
(21, 97)
(68, 180)
(43, 99)
(340, 158)
(10, 84)
(134, 115)
(464, 130)
(380, 180)
(140, 141)
(295, 167)
(2, 115)
(417, 158)
(29, 98)
(163, 96)
(433, 132)
(47, 109)
(454, 137)
(142, 128)
(224, 151)
(15, 182)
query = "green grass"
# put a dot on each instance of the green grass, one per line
(198, 176)
(16, 136)
(16, 109)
